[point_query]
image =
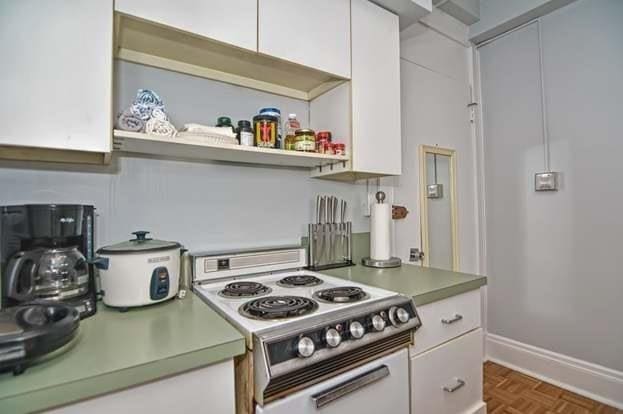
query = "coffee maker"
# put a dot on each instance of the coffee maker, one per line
(46, 253)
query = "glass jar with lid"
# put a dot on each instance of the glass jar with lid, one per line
(305, 140)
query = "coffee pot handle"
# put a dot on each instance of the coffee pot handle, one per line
(14, 271)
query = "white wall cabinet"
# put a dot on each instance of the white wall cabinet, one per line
(446, 359)
(374, 97)
(205, 390)
(228, 21)
(56, 74)
(314, 33)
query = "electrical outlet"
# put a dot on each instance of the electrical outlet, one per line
(546, 181)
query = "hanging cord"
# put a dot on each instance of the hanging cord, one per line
(545, 130)
(435, 166)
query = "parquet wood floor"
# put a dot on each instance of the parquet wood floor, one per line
(510, 392)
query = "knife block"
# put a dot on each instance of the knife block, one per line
(330, 246)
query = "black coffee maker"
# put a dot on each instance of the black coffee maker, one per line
(45, 255)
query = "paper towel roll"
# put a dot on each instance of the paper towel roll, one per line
(380, 221)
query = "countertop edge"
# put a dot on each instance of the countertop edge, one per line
(449, 291)
(72, 392)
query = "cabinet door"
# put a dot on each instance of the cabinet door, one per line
(375, 85)
(314, 33)
(56, 74)
(204, 390)
(229, 21)
(448, 379)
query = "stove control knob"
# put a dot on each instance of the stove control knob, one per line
(333, 337)
(378, 323)
(357, 330)
(398, 316)
(305, 347)
(402, 315)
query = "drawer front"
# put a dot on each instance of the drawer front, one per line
(448, 379)
(447, 319)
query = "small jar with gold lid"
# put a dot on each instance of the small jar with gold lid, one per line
(305, 140)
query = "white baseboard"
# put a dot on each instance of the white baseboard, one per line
(590, 380)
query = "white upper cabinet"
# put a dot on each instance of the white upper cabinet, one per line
(375, 83)
(228, 21)
(313, 33)
(56, 74)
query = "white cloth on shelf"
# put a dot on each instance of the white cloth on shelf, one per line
(159, 127)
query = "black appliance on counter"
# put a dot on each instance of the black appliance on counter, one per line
(45, 256)
(28, 332)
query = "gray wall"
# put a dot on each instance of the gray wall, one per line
(553, 259)
(203, 205)
(434, 76)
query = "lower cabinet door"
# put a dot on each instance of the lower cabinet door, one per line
(204, 390)
(448, 379)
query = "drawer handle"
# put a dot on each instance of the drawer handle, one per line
(457, 317)
(334, 393)
(451, 388)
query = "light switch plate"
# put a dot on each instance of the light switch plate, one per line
(434, 190)
(546, 181)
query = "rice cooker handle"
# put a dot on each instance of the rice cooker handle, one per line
(141, 235)
(100, 262)
(14, 271)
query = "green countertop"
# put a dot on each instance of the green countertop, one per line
(424, 284)
(116, 350)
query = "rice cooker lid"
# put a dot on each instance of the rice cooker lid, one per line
(140, 244)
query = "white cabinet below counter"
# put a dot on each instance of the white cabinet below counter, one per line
(313, 33)
(446, 359)
(229, 21)
(448, 379)
(56, 77)
(204, 390)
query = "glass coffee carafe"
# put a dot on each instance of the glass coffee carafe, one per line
(47, 273)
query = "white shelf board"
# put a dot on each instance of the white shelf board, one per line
(141, 143)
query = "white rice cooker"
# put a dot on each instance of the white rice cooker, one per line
(139, 272)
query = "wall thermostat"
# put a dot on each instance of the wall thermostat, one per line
(546, 181)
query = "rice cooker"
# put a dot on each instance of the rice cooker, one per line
(139, 272)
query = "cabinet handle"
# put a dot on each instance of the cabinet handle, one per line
(457, 317)
(334, 393)
(451, 388)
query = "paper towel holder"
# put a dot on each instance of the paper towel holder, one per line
(381, 264)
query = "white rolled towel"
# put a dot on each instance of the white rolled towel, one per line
(159, 127)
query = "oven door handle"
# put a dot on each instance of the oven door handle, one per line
(338, 391)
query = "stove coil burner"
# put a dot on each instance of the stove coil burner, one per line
(278, 307)
(243, 290)
(299, 281)
(342, 294)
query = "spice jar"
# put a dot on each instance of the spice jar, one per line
(326, 135)
(305, 140)
(225, 121)
(265, 127)
(245, 133)
(339, 149)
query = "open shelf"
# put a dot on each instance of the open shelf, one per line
(141, 143)
(152, 44)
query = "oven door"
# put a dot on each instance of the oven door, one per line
(378, 387)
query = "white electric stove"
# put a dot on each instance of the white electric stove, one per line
(313, 340)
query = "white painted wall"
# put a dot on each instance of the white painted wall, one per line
(553, 258)
(203, 205)
(435, 92)
(498, 16)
